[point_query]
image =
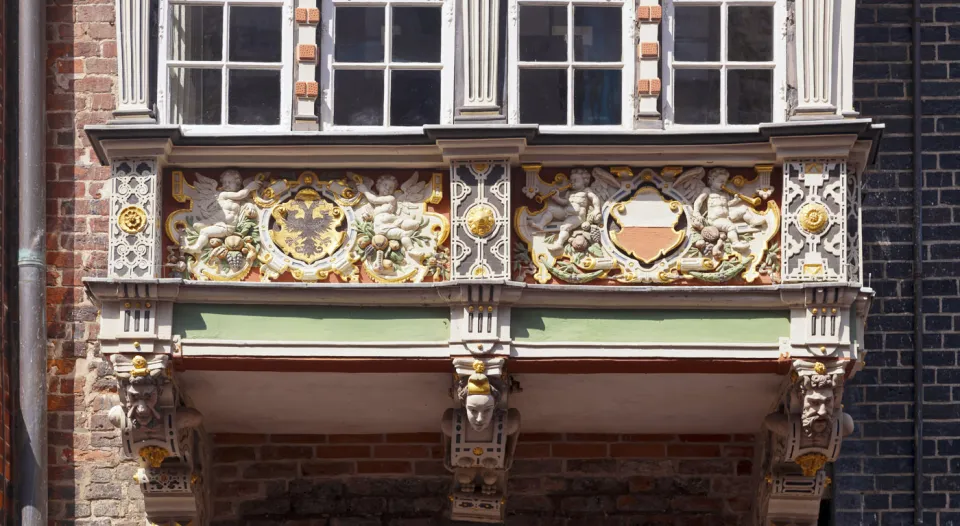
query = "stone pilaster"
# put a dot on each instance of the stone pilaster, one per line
(824, 58)
(134, 104)
(306, 88)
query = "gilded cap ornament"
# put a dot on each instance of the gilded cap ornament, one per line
(813, 217)
(154, 456)
(811, 463)
(481, 220)
(132, 219)
(819, 368)
(478, 384)
(139, 366)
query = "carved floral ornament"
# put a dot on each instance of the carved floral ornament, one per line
(676, 226)
(310, 227)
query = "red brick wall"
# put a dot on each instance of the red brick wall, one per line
(87, 479)
(399, 480)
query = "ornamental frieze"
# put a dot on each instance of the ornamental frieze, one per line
(616, 225)
(341, 226)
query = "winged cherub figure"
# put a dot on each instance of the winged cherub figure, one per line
(220, 208)
(385, 206)
(580, 207)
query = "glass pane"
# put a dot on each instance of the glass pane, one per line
(543, 96)
(596, 96)
(749, 96)
(359, 34)
(596, 34)
(197, 33)
(414, 98)
(254, 97)
(416, 34)
(697, 33)
(696, 96)
(358, 98)
(749, 33)
(543, 33)
(255, 34)
(195, 95)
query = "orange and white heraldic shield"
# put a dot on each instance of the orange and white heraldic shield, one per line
(648, 225)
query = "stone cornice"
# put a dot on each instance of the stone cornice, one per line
(445, 294)
(436, 146)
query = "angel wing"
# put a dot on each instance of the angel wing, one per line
(413, 190)
(689, 184)
(205, 205)
(605, 184)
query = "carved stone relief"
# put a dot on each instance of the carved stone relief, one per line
(134, 219)
(480, 212)
(309, 227)
(815, 212)
(675, 226)
(481, 437)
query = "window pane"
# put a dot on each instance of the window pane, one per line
(254, 97)
(749, 33)
(697, 33)
(414, 98)
(359, 34)
(596, 96)
(749, 96)
(195, 95)
(197, 33)
(255, 34)
(696, 96)
(358, 98)
(543, 33)
(596, 34)
(416, 34)
(543, 96)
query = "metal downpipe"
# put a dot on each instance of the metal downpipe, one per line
(31, 459)
(917, 269)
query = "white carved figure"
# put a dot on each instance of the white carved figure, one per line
(142, 389)
(578, 207)
(220, 207)
(397, 218)
(482, 436)
(716, 208)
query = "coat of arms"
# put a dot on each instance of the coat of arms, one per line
(308, 227)
(648, 225)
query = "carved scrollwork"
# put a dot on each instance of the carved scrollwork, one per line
(668, 227)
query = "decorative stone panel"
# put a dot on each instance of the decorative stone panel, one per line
(134, 219)
(815, 212)
(480, 237)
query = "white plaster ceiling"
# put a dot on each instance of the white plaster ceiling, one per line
(319, 403)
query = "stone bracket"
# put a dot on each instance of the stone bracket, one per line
(481, 437)
(480, 322)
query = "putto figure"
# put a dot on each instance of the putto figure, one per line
(220, 207)
(579, 207)
(719, 208)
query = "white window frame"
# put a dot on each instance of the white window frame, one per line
(627, 64)
(285, 67)
(328, 66)
(777, 65)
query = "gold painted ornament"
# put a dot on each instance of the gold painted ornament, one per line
(308, 227)
(132, 219)
(154, 456)
(813, 217)
(811, 463)
(481, 220)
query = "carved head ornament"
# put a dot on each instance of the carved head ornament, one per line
(479, 398)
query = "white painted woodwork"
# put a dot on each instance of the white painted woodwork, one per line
(133, 60)
(310, 402)
(481, 53)
(818, 28)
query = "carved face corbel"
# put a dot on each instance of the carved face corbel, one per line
(820, 395)
(479, 397)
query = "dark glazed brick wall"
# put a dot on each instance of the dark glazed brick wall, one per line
(874, 476)
(557, 480)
